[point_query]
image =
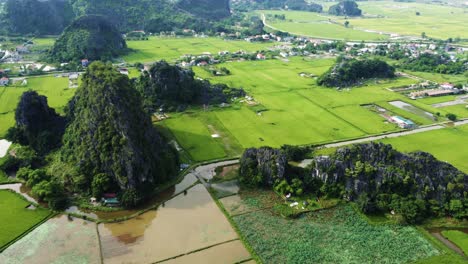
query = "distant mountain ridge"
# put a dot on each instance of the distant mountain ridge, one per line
(52, 16)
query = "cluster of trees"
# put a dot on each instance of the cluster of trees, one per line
(299, 5)
(427, 62)
(349, 72)
(375, 176)
(345, 8)
(171, 86)
(89, 37)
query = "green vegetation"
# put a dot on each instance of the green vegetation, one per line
(345, 8)
(442, 143)
(113, 145)
(37, 125)
(349, 72)
(37, 17)
(459, 238)
(16, 218)
(434, 63)
(337, 235)
(314, 25)
(55, 89)
(436, 20)
(89, 37)
(376, 177)
(170, 49)
(170, 86)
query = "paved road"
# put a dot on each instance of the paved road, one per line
(4, 146)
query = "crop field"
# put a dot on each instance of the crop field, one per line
(337, 235)
(171, 48)
(459, 238)
(58, 240)
(56, 90)
(440, 78)
(16, 218)
(400, 18)
(447, 144)
(289, 109)
(317, 25)
(436, 21)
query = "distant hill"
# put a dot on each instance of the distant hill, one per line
(345, 8)
(90, 37)
(52, 16)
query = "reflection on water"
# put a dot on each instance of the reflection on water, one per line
(412, 109)
(188, 181)
(185, 223)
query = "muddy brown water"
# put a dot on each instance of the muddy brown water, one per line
(188, 180)
(184, 224)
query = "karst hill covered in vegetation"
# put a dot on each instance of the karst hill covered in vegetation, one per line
(111, 140)
(374, 175)
(52, 16)
(89, 37)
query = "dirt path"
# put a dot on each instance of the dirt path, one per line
(448, 243)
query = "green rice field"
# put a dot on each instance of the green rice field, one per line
(56, 89)
(170, 48)
(459, 238)
(288, 109)
(386, 17)
(15, 218)
(447, 144)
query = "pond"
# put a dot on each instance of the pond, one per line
(413, 109)
(186, 223)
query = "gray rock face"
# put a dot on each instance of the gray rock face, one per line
(378, 168)
(263, 166)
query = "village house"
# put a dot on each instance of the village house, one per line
(84, 62)
(4, 81)
(447, 86)
(22, 49)
(260, 56)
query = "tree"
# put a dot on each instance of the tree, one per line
(418, 13)
(423, 35)
(346, 23)
(345, 8)
(451, 117)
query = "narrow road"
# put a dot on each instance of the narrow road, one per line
(379, 137)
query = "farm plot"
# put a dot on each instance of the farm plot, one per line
(183, 225)
(59, 240)
(436, 21)
(55, 89)
(459, 238)
(287, 109)
(316, 25)
(440, 143)
(171, 48)
(16, 218)
(337, 235)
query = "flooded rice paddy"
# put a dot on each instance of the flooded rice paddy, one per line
(230, 252)
(412, 109)
(59, 240)
(184, 224)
